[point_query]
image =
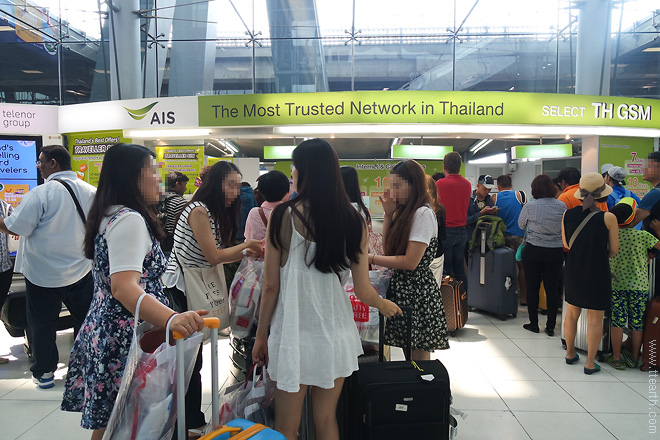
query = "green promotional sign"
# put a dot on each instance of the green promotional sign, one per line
(278, 152)
(541, 151)
(629, 154)
(188, 160)
(416, 106)
(374, 177)
(88, 149)
(420, 151)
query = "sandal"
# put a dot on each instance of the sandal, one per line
(627, 358)
(618, 364)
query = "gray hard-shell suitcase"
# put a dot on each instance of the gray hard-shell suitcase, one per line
(492, 280)
(581, 334)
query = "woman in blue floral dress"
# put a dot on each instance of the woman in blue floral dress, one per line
(122, 240)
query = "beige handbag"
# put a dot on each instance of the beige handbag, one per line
(206, 289)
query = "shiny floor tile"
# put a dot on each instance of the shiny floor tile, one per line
(545, 425)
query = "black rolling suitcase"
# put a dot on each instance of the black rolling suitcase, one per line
(396, 400)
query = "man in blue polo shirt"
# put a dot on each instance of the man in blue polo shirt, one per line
(652, 175)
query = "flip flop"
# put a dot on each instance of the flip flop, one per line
(626, 356)
(618, 364)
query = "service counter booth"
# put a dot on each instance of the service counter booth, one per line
(540, 133)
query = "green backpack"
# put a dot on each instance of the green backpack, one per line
(495, 233)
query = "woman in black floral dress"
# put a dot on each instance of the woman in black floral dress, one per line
(410, 232)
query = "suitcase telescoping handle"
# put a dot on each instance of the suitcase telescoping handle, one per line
(182, 432)
(407, 314)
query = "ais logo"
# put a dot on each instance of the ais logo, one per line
(157, 118)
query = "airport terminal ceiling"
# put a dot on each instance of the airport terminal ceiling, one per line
(59, 52)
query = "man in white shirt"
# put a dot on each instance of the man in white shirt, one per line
(50, 255)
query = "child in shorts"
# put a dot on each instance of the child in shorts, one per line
(630, 283)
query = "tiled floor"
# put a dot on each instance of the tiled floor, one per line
(510, 384)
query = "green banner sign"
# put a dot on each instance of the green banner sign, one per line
(374, 177)
(278, 152)
(541, 151)
(88, 149)
(420, 151)
(629, 154)
(382, 107)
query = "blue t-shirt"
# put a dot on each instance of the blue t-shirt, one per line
(650, 199)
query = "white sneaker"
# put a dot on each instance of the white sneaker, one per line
(225, 332)
(47, 380)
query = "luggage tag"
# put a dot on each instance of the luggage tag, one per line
(424, 377)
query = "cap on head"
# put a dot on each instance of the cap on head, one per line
(617, 174)
(625, 211)
(487, 181)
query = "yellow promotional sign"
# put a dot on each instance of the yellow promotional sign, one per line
(188, 160)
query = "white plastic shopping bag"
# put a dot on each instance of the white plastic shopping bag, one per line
(145, 407)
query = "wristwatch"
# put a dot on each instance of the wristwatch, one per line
(244, 252)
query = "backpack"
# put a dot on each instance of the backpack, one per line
(495, 233)
(617, 197)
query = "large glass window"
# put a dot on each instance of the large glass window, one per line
(60, 52)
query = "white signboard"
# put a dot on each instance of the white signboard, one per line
(176, 112)
(28, 119)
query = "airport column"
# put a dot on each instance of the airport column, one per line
(125, 82)
(593, 48)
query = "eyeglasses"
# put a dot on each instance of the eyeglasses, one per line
(39, 162)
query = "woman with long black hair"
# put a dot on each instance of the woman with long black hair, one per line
(205, 237)
(312, 241)
(410, 232)
(122, 240)
(352, 186)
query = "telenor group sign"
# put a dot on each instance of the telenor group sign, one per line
(427, 107)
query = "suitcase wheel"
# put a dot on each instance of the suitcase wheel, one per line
(452, 333)
(514, 315)
(600, 356)
(563, 343)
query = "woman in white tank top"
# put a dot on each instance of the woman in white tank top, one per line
(312, 241)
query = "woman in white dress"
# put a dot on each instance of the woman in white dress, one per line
(312, 241)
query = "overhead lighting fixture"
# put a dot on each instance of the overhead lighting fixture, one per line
(227, 144)
(480, 145)
(406, 130)
(652, 49)
(567, 137)
(32, 71)
(168, 134)
(494, 159)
